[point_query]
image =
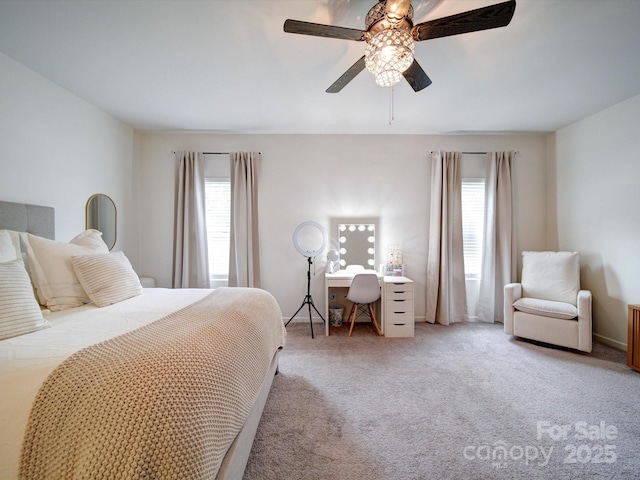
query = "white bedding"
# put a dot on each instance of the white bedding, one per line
(27, 360)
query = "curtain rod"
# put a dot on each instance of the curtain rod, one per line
(471, 153)
(216, 153)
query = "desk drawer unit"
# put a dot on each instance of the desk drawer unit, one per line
(398, 305)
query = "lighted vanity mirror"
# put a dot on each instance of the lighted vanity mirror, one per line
(101, 214)
(357, 244)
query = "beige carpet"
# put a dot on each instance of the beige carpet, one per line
(459, 402)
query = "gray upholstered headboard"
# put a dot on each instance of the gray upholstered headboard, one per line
(23, 217)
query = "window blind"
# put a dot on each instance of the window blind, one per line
(218, 204)
(472, 224)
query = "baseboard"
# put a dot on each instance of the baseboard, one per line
(471, 319)
(611, 342)
(601, 338)
(304, 320)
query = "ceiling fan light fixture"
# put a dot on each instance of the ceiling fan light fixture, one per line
(390, 34)
(388, 78)
(389, 53)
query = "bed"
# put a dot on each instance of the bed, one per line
(111, 380)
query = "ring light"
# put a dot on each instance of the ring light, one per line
(306, 239)
(310, 239)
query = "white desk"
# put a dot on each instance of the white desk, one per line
(344, 278)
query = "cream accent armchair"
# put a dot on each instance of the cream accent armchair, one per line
(548, 305)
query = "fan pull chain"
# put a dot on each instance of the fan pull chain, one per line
(391, 113)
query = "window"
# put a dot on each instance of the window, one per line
(218, 200)
(472, 225)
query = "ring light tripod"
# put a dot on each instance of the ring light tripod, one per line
(297, 234)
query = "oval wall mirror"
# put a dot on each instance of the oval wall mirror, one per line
(310, 239)
(101, 214)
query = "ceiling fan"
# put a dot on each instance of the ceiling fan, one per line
(390, 36)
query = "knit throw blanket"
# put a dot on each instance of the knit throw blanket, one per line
(163, 401)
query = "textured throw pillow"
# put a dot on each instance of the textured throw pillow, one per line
(108, 278)
(51, 270)
(19, 310)
(9, 246)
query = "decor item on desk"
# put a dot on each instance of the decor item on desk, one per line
(333, 261)
(310, 240)
(390, 36)
(394, 270)
(394, 265)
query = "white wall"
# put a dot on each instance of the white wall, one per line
(597, 167)
(576, 189)
(57, 150)
(318, 177)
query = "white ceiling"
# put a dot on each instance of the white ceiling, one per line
(227, 66)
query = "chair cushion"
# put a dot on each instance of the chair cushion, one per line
(546, 308)
(551, 276)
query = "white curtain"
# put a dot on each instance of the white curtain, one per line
(190, 256)
(244, 254)
(446, 291)
(499, 259)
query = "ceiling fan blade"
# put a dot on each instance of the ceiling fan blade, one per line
(493, 16)
(319, 30)
(416, 77)
(347, 76)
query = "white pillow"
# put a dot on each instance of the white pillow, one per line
(19, 310)
(9, 246)
(551, 276)
(108, 278)
(51, 270)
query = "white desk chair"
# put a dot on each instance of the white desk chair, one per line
(363, 292)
